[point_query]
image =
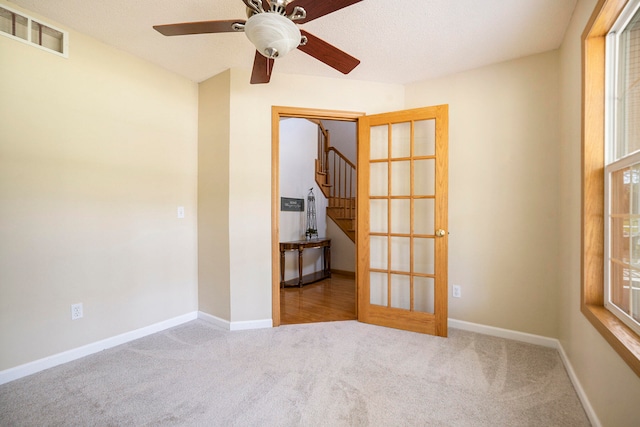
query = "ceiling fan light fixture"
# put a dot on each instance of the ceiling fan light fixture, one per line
(272, 34)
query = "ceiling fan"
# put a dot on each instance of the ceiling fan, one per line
(271, 27)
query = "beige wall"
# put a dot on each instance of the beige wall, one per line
(96, 153)
(612, 387)
(213, 196)
(503, 148)
(343, 249)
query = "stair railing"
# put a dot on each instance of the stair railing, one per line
(323, 145)
(343, 186)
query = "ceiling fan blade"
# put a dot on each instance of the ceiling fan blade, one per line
(317, 8)
(329, 54)
(262, 67)
(202, 27)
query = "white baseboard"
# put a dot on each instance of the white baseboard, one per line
(538, 340)
(235, 326)
(252, 324)
(17, 372)
(504, 333)
(591, 414)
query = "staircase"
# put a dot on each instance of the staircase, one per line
(336, 177)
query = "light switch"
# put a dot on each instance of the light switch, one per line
(180, 211)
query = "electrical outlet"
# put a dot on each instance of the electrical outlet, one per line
(457, 292)
(76, 311)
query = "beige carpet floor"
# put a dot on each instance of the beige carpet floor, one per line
(323, 374)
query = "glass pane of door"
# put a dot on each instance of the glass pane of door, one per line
(424, 294)
(425, 138)
(401, 140)
(400, 291)
(379, 288)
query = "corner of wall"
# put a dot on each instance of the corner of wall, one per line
(213, 195)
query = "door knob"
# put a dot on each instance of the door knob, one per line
(440, 233)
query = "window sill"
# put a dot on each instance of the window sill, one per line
(618, 335)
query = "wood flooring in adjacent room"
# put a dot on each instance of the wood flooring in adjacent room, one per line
(328, 300)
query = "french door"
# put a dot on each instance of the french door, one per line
(402, 219)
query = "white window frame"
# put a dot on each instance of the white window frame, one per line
(611, 163)
(30, 42)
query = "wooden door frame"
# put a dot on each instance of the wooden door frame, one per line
(278, 113)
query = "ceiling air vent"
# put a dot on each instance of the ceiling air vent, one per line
(18, 26)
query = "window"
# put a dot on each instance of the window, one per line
(20, 27)
(608, 298)
(622, 171)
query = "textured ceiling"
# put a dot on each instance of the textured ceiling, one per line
(399, 41)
